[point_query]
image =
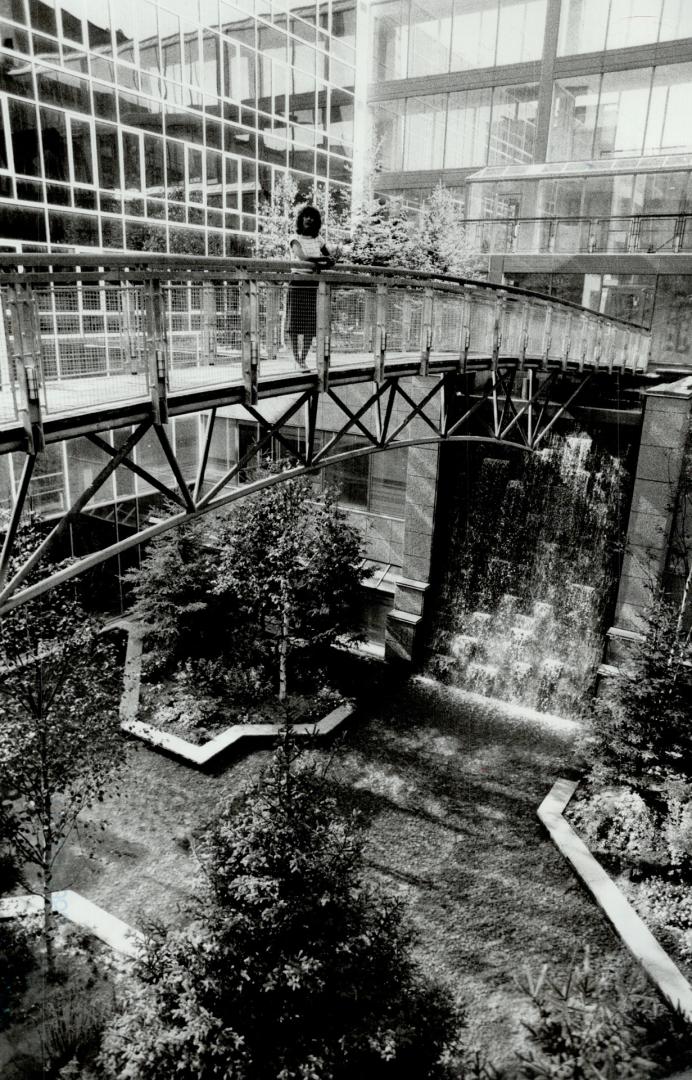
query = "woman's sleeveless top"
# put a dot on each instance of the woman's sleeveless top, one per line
(312, 249)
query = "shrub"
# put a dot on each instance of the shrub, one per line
(619, 822)
(667, 909)
(16, 961)
(295, 970)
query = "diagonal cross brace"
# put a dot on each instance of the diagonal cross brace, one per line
(75, 509)
(323, 451)
(133, 467)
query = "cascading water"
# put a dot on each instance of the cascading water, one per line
(529, 575)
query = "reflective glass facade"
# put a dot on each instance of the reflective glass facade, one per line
(594, 25)
(139, 125)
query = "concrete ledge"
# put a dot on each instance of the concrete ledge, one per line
(631, 929)
(193, 753)
(83, 913)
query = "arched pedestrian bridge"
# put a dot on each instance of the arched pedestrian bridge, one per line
(91, 349)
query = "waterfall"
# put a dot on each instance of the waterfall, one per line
(529, 574)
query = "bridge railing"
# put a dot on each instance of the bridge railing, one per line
(81, 335)
(615, 234)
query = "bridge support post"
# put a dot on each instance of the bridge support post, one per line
(657, 487)
(403, 638)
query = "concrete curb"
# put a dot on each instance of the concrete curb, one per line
(193, 753)
(634, 933)
(118, 935)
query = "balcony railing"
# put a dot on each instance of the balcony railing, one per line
(81, 335)
(625, 234)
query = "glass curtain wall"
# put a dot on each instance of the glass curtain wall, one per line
(137, 124)
(432, 37)
(594, 25)
(457, 130)
(622, 114)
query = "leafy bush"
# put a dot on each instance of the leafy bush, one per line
(187, 714)
(237, 680)
(619, 822)
(72, 1034)
(667, 909)
(16, 961)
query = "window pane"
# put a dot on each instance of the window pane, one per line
(521, 30)
(350, 477)
(583, 25)
(668, 128)
(131, 162)
(468, 126)
(24, 137)
(622, 113)
(513, 125)
(573, 118)
(390, 34)
(429, 37)
(633, 22)
(389, 133)
(677, 20)
(388, 483)
(54, 144)
(425, 132)
(474, 32)
(107, 155)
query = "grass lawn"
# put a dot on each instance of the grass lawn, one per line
(450, 787)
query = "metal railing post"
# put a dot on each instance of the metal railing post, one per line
(567, 342)
(128, 325)
(209, 337)
(323, 333)
(156, 345)
(465, 327)
(380, 342)
(500, 297)
(26, 355)
(547, 336)
(426, 331)
(523, 334)
(249, 338)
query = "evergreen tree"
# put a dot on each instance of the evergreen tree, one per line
(382, 235)
(173, 596)
(442, 237)
(643, 722)
(295, 969)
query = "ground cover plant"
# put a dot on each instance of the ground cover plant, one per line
(239, 616)
(53, 1031)
(293, 966)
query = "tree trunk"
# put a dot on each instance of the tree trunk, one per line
(283, 648)
(48, 918)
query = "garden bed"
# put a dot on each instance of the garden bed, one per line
(198, 727)
(643, 837)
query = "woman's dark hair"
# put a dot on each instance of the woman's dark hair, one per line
(308, 211)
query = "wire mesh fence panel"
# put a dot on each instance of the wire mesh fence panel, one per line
(447, 324)
(511, 327)
(536, 327)
(481, 324)
(203, 332)
(275, 354)
(301, 322)
(404, 322)
(559, 325)
(90, 345)
(353, 315)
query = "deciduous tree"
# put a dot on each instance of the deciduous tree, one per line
(60, 743)
(291, 562)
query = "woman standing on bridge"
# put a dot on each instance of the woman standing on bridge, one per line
(308, 247)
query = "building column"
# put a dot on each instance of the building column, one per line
(665, 429)
(405, 621)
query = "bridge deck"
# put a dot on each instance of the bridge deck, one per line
(73, 406)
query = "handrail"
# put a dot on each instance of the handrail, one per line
(116, 263)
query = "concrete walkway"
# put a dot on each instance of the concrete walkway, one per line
(83, 913)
